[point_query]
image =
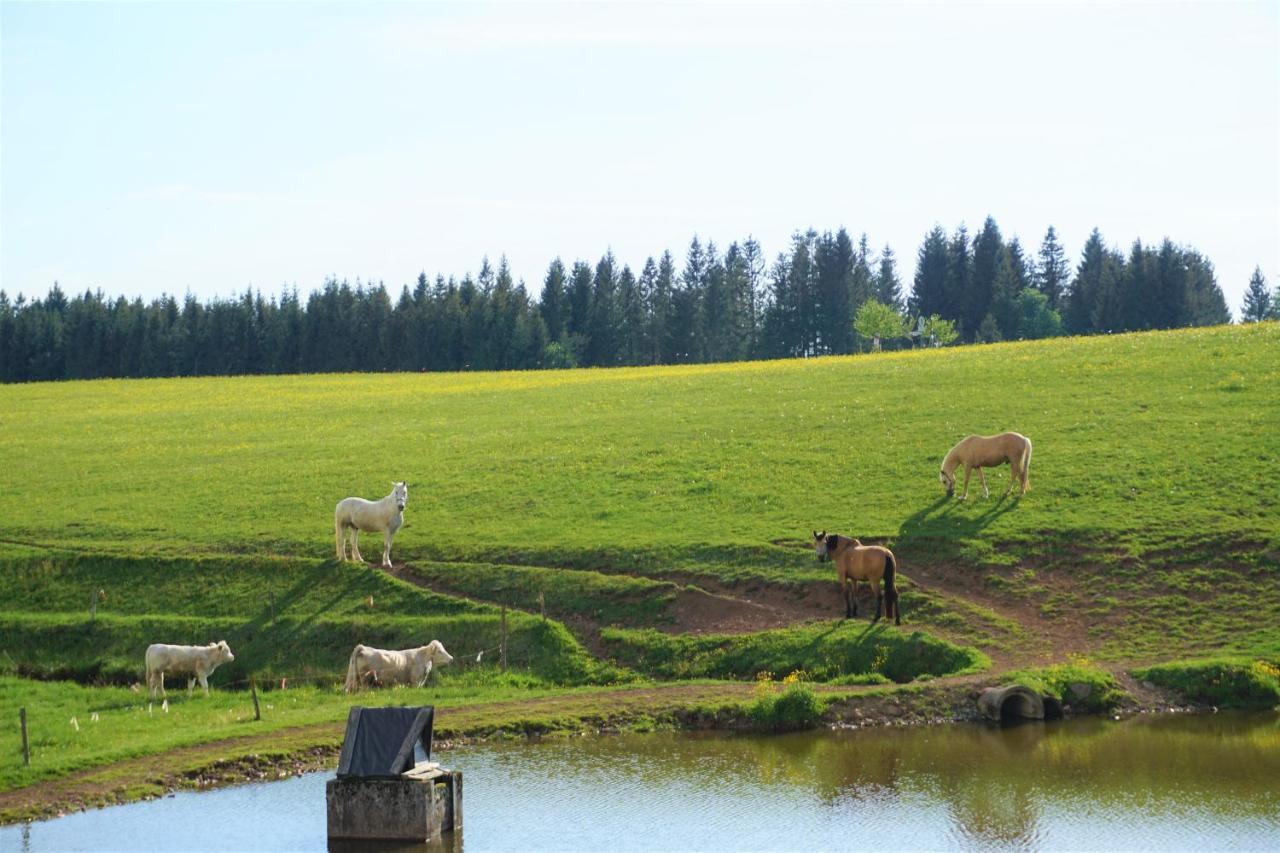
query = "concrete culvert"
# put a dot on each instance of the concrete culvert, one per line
(1000, 704)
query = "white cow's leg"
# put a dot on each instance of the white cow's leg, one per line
(204, 682)
(355, 545)
(191, 686)
(163, 694)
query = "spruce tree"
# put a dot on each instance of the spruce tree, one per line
(980, 290)
(928, 289)
(1052, 272)
(888, 288)
(1206, 304)
(959, 271)
(1257, 299)
(662, 308)
(579, 309)
(833, 303)
(602, 327)
(554, 302)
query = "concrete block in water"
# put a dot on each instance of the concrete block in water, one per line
(394, 809)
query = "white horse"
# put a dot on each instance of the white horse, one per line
(356, 514)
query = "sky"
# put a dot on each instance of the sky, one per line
(156, 148)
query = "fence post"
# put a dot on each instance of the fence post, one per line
(26, 750)
(253, 689)
(503, 646)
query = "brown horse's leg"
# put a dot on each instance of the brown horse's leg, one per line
(967, 471)
(982, 477)
(879, 602)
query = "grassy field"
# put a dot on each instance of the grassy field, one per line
(1142, 442)
(622, 501)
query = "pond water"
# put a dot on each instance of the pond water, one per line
(1158, 783)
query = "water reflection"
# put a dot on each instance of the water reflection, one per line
(1163, 783)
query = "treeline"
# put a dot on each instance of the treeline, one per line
(718, 306)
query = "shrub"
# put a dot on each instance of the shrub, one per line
(1225, 682)
(794, 707)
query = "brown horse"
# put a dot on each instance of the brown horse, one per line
(988, 451)
(857, 562)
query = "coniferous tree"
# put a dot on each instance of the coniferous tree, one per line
(1205, 303)
(602, 329)
(979, 293)
(959, 272)
(1139, 288)
(754, 262)
(1010, 281)
(988, 330)
(1052, 272)
(833, 303)
(928, 290)
(736, 342)
(631, 318)
(554, 303)
(662, 326)
(888, 288)
(1257, 299)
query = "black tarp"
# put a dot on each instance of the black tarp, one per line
(385, 742)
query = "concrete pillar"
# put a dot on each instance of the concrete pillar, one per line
(394, 809)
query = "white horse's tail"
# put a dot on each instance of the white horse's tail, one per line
(352, 681)
(1026, 468)
(337, 534)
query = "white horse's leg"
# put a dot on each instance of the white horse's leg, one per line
(355, 545)
(340, 537)
(386, 549)
(983, 477)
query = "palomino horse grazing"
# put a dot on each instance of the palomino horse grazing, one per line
(988, 451)
(356, 514)
(857, 562)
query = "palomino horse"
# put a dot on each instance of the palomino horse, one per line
(356, 514)
(988, 451)
(857, 562)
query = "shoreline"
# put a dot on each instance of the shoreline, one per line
(315, 748)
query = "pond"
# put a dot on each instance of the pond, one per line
(1154, 783)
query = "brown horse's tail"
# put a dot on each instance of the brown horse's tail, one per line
(891, 608)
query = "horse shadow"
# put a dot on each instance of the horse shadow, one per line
(943, 524)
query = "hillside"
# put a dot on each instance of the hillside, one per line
(1150, 484)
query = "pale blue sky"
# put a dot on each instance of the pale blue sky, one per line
(148, 148)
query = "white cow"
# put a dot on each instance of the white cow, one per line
(407, 666)
(197, 662)
(356, 514)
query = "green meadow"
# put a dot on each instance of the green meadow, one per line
(633, 522)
